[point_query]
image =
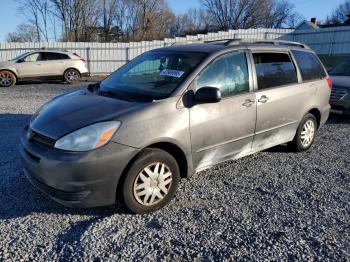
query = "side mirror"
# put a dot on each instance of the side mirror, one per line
(20, 60)
(207, 95)
(93, 87)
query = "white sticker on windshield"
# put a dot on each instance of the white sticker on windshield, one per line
(172, 73)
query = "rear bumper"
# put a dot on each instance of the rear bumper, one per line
(324, 115)
(87, 179)
(340, 106)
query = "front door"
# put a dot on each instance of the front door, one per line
(223, 130)
(31, 66)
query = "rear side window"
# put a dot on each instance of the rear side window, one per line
(309, 65)
(274, 69)
(55, 56)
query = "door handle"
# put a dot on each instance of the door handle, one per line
(263, 99)
(248, 102)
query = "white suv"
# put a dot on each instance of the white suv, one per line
(43, 65)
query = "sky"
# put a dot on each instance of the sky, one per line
(11, 17)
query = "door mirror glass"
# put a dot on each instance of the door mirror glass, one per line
(208, 94)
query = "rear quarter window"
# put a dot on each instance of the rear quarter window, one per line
(309, 65)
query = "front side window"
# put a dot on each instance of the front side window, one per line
(229, 73)
(310, 66)
(33, 57)
(152, 76)
(274, 69)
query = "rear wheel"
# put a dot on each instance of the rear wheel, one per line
(7, 78)
(71, 76)
(306, 133)
(151, 182)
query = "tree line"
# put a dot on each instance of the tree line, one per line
(136, 20)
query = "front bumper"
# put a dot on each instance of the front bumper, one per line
(76, 179)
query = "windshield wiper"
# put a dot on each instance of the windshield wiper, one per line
(113, 94)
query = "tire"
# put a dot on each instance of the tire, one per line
(143, 193)
(71, 76)
(306, 132)
(7, 78)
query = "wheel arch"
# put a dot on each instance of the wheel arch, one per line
(317, 113)
(12, 71)
(71, 68)
(168, 147)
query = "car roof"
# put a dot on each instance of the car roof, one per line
(215, 46)
(52, 51)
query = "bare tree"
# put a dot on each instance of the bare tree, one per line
(108, 15)
(37, 13)
(153, 19)
(281, 13)
(23, 33)
(235, 14)
(194, 21)
(340, 14)
(78, 18)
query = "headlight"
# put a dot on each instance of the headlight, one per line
(88, 138)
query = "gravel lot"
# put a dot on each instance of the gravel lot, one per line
(274, 205)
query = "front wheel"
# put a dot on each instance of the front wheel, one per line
(151, 181)
(71, 76)
(7, 78)
(306, 133)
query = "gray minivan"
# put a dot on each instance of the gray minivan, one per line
(172, 112)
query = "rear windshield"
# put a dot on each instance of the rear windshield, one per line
(343, 69)
(309, 65)
(152, 76)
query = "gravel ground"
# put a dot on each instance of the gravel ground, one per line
(274, 205)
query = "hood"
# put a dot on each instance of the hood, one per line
(78, 109)
(341, 81)
(6, 63)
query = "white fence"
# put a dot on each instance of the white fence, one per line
(104, 58)
(325, 41)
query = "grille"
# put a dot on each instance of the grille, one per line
(59, 194)
(338, 93)
(41, 139)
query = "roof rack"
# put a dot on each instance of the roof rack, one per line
(258, 41)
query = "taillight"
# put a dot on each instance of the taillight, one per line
(330, 83)
(82, 59)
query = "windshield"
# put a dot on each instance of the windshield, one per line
(20, 56)
(343, 69)
(151, 76)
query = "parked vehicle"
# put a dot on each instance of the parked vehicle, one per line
(172, 112)
(43, 65)
(340, 96)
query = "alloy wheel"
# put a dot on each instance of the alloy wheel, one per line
(6, 79)
(72, 75)
(307, 133)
